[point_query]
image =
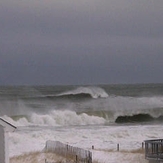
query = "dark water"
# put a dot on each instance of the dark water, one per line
(114, 103)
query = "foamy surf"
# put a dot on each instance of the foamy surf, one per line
(104, 140)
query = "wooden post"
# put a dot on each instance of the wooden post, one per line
(142, 145)
(117, 147)
(76, 158)
(90, 158)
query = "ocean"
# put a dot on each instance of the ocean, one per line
(101, 116)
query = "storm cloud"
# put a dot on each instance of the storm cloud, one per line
(80, 42)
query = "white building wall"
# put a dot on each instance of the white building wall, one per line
(4, 155)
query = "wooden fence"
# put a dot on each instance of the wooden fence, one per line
(78, 155)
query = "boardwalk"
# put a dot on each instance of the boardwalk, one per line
(154, 150)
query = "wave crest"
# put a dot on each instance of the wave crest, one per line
(94, 92)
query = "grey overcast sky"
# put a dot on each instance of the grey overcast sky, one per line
(48, 42)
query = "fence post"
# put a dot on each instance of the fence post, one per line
(117, 147)
(142, 145)
(90, 157)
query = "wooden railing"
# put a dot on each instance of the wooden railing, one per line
(76, 154)
(154, 149)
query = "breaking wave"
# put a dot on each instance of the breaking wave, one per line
(72, 118)
(71, 96)
(56, 118)
(94, 92)
(138, 118)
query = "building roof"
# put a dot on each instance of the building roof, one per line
(8, 126)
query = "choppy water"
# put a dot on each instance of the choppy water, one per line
(83, 116)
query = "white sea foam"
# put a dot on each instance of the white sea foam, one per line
(103, 138)
(116, 157)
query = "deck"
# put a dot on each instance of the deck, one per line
(154, 150)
